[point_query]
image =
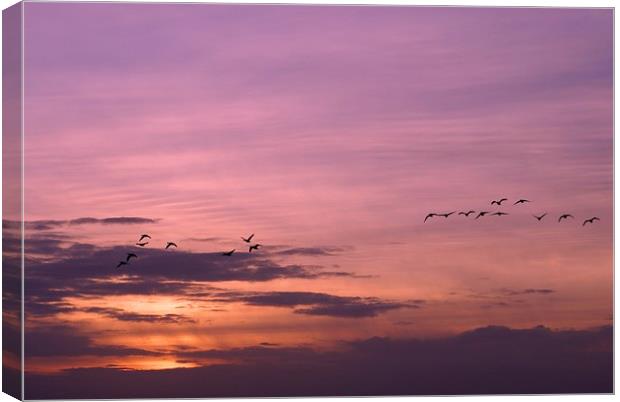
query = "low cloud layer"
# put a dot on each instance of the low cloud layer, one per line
(64, 340)
(310, 251)
(52, 224)
(505, 297)
(67, 269)
(311, 303)
(529, 292)
(489, 360)
(122, 315)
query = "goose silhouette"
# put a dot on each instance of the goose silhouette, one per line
(591, 220)
(467, 213)
(429, 216)
(499, 213)
(249, 239)
(540, 217)
(482, 213)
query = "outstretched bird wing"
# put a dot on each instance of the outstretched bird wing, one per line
(249, 239)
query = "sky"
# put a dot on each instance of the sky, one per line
(330, 133)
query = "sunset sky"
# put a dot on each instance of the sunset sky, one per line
(330, 133)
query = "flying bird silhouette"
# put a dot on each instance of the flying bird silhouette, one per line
(540, 217)
(499, 202)
(565, 216)
(142, 244)
(144, 236)
(446, 214)
(499, 213)
(466, 213)
(229, 253)
(591, 220)
(170, 244)
(121, 263)
(249, 239)
(521, 201)
(130, 256)
(429, 216)
(254, 247)
(482, 213)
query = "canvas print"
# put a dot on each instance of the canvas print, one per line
(225, 200)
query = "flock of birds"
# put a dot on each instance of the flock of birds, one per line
(142, 242)
(501, 213)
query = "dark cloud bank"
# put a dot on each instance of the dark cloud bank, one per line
(80, 271)
(490, 360)
(63, 340)
(58, 268)
(313, 303)
(52, 224)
